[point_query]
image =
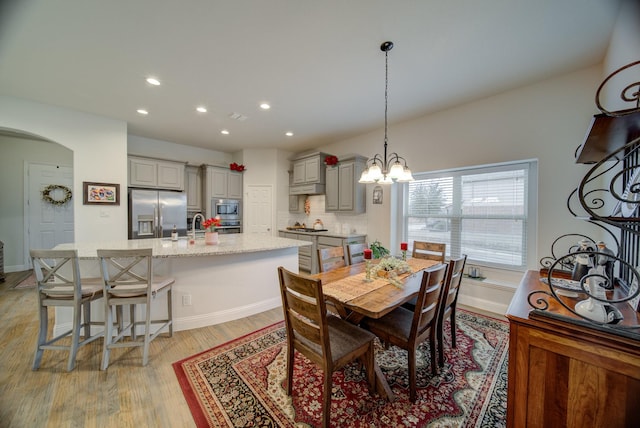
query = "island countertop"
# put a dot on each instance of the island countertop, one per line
(234, 243)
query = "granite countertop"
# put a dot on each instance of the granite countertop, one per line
(327, 233)
(233, 243)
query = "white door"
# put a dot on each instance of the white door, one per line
(259, 210)
(47, 224)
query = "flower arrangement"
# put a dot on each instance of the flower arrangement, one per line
(390, 267)
(236, 167)
(331, 160)
(211, 224)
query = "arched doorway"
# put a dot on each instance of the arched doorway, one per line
(28, 164)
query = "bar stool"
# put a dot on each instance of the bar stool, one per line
(59, 284)
(128, 280)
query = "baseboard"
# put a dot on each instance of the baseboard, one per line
(482, 304)
(188, 323)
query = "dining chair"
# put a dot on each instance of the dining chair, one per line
(327, 340)
(331, 258)
(448, 303)
(59, 284)
(429, 250)
(355, 253)
(407, 329)
(128, 280)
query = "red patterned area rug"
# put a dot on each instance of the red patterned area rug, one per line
(241, 384)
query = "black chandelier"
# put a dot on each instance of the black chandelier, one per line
(383, 168)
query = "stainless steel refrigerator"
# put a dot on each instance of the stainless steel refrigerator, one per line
(153, 213)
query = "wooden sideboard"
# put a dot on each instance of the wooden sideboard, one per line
(565, 373)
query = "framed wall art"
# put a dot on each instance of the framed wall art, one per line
(377, 195)
(100, 193)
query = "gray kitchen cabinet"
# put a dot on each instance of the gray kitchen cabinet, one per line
(343, 192)
(308, 256)
(156, 173)
(308, 174)
(193, 187)
(220, 183)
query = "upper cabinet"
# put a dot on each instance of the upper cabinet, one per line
(193, 187)
(221, 183)
(308, 174)
(156, 173)
(343, 192)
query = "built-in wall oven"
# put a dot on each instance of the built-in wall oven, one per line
(229, 211)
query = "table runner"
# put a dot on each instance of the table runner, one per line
(349, 288)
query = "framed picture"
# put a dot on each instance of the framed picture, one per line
(100, 193)
(377, 195)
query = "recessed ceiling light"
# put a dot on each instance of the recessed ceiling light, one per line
(289, 134)
(225, 132)
(201, 109)
(153, 81)
(265, 106)
(142, 111)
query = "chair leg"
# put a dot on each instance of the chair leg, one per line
(42, 337)
(75, 336)
(132, 315)
(453, 326)
(170, 312)
(370, 357)
(290, 362)
(440, 343)
(86, 313)
(147, 335)
(412, 374)
(432, 345)
(108, 334)
(326, 405)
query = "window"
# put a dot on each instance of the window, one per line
(485, 212)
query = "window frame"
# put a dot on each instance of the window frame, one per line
(531, 204)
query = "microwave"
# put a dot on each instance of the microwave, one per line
(227, 209)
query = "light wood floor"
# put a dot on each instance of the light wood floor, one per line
(126, 395)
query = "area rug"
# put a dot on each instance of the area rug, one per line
(241, 384)
(26, 279)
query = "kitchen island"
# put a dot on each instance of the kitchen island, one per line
(214, 283)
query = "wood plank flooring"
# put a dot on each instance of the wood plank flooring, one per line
(126, 395)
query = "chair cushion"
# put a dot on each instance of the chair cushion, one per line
(137, 290)
(88, 287)
(345, 337)
(396, 323)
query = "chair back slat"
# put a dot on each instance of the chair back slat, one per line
(127, 271)
(304, 310)
(57, 272)
(330, 258)
(427, 303)
(429, 251)
(355, 253)
(453, 281)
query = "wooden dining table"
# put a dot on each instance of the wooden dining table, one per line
(354, 298)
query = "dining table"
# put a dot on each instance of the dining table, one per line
(354, 297)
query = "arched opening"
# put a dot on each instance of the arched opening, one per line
(27, 162)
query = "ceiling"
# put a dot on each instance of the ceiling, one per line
(318, 63)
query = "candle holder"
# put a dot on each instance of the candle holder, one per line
(368, 271)
(404, 255)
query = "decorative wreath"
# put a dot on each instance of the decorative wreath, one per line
(46, 194)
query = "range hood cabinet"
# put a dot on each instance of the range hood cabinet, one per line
(307, 189)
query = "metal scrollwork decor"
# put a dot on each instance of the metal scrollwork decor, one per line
(47, 194)
(596, 284)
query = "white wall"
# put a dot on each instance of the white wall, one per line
(142, 146)
(99, 148)
(544, 121)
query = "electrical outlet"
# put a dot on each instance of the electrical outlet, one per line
(186, 300)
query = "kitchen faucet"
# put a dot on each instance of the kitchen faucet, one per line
(193, 223)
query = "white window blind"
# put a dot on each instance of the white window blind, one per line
(482, 212)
